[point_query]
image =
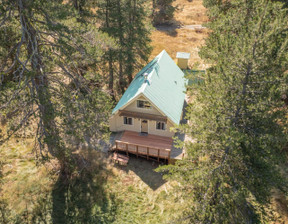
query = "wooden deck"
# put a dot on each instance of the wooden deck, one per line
(153, 141)
(148, 146)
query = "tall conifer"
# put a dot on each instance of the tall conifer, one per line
(125, 21)
(237, 119)
(48, 88)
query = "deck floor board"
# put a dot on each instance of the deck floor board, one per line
(153, 141)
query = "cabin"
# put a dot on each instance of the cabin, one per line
(149, 108)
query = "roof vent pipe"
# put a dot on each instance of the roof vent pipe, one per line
(146, 79)
(145, 76)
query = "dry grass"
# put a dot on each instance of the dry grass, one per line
(23, 181)
(145, 197)
(190, 12)
(137, 191)
(280, 205)
(185, 40)
(141, 194)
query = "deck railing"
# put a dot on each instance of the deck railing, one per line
(142, 150)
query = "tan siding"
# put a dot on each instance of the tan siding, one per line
(117, 124)
(154, 131)
(133, 107)
(112, 124)
(120, 126)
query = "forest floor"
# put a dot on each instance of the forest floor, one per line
(108, 193)
(104, 192)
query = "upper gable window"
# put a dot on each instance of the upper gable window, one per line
(143, 104)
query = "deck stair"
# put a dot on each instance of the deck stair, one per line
(121, 159)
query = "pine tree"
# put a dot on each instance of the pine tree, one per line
(47, 87)
(237, 119)
(162, 11)
(138, 40)
(124, 20)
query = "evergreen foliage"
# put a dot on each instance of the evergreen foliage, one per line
(237, 119)
(51, 80)
(125, 21)
(162, 11)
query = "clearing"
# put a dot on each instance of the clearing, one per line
(106, 193)
(185, 34)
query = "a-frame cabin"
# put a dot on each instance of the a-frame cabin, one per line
(151, 105)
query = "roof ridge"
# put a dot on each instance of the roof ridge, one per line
(153, 68)
(159, 89)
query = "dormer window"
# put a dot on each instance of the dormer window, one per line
(143, 104)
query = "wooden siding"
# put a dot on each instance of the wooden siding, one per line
(152, 115)
(142, 115)
(133, 107)
(116, 124)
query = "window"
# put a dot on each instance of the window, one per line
(160, 125)
(143, 104)
(128, 120)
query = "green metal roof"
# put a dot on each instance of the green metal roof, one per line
(164, 87)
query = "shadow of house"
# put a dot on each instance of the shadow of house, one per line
(145, 170)
(169, 29)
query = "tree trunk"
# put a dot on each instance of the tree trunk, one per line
(153, 8)
(121, 43)
(47, 126)
(110, 54)
(111, 75)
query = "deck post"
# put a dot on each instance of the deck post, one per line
(158, 155)
(116, 146)
(126, 149)
(169, 156)
(147, 153)
(137, 150)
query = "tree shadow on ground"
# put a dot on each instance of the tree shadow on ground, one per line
(84, 200)
(145, 170)
(169, 28)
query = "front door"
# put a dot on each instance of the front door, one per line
(144, 126)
